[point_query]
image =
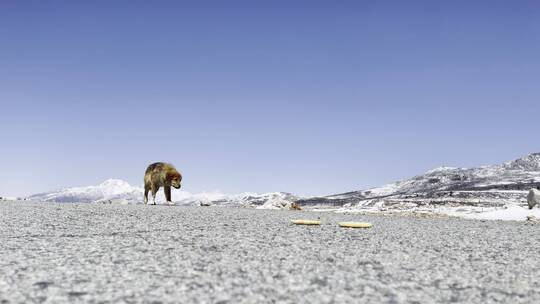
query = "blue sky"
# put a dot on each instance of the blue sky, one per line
(309, 97)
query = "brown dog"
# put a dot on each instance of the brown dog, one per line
(161, 174)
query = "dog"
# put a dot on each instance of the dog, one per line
(161, 175)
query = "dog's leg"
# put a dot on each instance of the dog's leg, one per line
(146, 190)
(154, 192)
(167, 190)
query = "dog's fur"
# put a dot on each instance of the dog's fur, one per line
(158, 175)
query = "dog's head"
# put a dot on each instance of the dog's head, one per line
(174, 178)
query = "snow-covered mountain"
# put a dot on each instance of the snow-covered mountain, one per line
(483, 192)
(482, 187)
(111, 189)
(119, 191)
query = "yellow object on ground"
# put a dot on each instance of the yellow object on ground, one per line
(355, 225)
(306, 222)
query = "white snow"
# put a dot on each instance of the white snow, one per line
(443, 169)
(8, 198)
(384, 190)
(510, 213)
(506, 213)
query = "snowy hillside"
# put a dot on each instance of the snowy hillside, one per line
(111, 189)
(119, 191)
(481, 189)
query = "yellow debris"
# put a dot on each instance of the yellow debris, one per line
(306, 222)
(355, 225)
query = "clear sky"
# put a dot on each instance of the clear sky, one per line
(309, 97)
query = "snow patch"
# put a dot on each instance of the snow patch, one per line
(509, 213)
(442, 169)
(8, 198)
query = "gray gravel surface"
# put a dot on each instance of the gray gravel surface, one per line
(135, 253)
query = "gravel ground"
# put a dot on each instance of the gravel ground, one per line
(135, 253)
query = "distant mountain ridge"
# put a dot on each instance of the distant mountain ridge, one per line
(487, 185)
(109, 190)
(119, 191)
